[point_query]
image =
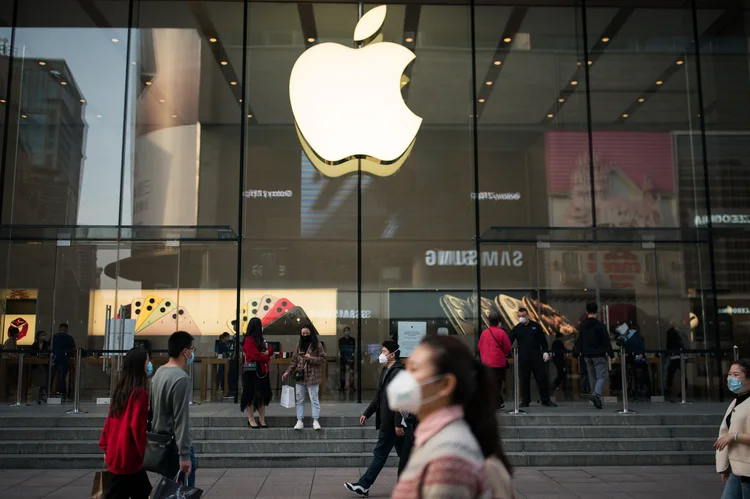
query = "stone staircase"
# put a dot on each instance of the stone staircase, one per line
(535, 439)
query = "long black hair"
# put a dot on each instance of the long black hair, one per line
(255, 331)
(133, 379)
(475, 391)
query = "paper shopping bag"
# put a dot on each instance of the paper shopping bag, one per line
(101, 479)
(287, 397)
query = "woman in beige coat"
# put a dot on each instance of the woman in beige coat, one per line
(733, 444)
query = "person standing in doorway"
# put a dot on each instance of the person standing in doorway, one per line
(494, 347)
(675, 344)
(391, 430)
(593, 343)
(558, 358)
(40, 372)
(10, 344)
(532, 354)
(307, 369)
(63, 346)
(224, 348)
(170, 404)
(347, 349)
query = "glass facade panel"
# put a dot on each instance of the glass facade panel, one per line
(168, 159)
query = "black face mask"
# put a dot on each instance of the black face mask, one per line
(304, 342)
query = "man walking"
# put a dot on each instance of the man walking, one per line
(593, 343)
(170, 401)
(494, 347)
(389, 423)
(63, 346)
(532, 354)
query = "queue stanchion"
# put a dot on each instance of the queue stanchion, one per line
(19, 394)
(77, 388)
(683, 380)
(624, 376)
(516, 382)
(736, 351)
(192, 402)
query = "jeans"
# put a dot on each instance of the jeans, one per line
(597, 368)
(387, 439)
(312, 390)
(175, 468)
(736, 489)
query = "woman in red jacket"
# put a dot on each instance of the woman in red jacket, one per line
(494, 347)
(256, 386)
(123, 439)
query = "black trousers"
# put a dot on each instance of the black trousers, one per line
(536, 366)
(672, 368)
(562, 374)
(135, 486)
(406, 448)
(500, 379)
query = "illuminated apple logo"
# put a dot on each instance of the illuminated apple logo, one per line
(347, 103)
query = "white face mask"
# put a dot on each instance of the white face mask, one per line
(404, 392)
(622, 329)
(383, 359)
(522, 320)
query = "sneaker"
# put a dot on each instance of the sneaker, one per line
(300, 425)
(316, 425)
(357, 489)
(549, 403)
(596, 401)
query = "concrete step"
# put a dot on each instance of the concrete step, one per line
(608, 445)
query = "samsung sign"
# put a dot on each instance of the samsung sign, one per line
(468, 258)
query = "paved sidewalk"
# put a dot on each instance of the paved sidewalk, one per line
(641, 482)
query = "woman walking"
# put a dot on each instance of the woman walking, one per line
(307, 369)
(733, 445)
(256, 386)
(123, 438)
(457, 450)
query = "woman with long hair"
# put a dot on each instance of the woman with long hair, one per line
(457, 447)
(256, 386)
(733, 444)
(123, 438)
(307, 369)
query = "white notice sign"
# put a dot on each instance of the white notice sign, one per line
(409, 336)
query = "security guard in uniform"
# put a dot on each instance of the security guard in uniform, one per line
(532, 354)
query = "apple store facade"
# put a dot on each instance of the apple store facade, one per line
(192, 164)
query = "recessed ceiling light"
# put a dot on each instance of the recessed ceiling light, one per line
(148, 83)
(506, 39)
(497, 63)
(659, 82)
(488, 83)
(579, 64)
(625, 115)
(481, 100)
(99, 116)
(240, 100)
(174, 116)
(42, 63)
(574, 83)
(232, 82)
(63, 83)
(162, 101)
(641, 100)
(605, 39)
(115, 40)
(213, 40)
(560, 100)
(591, 62)
(311, 40)
(249, 115)
(550, 115)
(409, 40)
(224, 63)
(24, 116)
(680, 62)
(83, 101)
(2, 101)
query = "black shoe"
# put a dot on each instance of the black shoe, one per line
(549, 403)
(525, 404)
(596, 401)
(357, 489)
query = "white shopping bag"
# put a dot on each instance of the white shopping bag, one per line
(287, 397)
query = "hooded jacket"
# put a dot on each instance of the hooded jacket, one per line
(593, 339)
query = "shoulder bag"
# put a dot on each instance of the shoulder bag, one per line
(161, 448)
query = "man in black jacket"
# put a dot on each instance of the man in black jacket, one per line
(532, 354)
(389, 423)
(593, 343)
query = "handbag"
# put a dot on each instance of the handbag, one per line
(166, 488)
(287, 397)
(161, 449)
(101, 480)
(250, 367)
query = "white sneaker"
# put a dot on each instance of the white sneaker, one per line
(299, 425)
(316, 425)
(357, 489)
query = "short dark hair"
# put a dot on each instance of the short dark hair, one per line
(62, 325)
(558, 334)
(495, 319)
(392, 347)
(13, 331)
(224, 335)
(523, 309)
(592, 308)
(347, 328)
(744, 365)
(178, 342)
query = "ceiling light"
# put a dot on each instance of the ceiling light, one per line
(506, 39)
(550, 115)
(497, 63)
(409, 40)
(249, 115)
(591, 62)
(481, 101)
(240, 100)
(579, 64)
(641, 100)
(174, 116)
(659, 82)
(488, 83)
(99, 116)
(115, 40)
(42, 63)
(224, 63)
(82, 101)
(162, 101)
(232, 82)
(24, 116)
(148, 83)
(680, 62)
(311, 40)
(213, 40)
(625, 115)
(574, 83)
(605, 39)
(560, 100)
(63, 83)
(2, 101)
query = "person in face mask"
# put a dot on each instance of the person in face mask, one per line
(307, 368)
(347, 348)
(533, 352)
(389, 423)
(457, 440)
(123, 438)
(733, 444)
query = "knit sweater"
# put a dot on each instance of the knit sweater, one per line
(448, 465)
(735, 456)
